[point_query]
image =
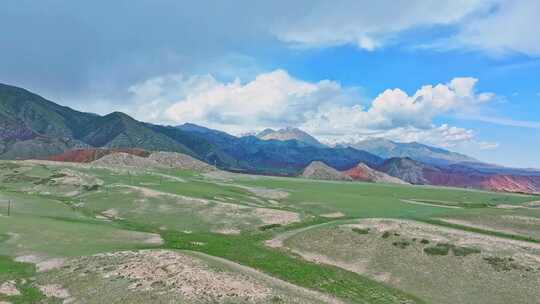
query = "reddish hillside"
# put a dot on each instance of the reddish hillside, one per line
(416, 172)
(89, 155)
(362, 172)
(512, 183)
(453, 179)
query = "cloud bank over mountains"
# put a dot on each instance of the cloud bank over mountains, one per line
(326, 109)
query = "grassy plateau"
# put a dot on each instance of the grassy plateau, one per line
(300, 240)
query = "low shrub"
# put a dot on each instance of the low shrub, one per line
(504, 264)
(439, 249)
(268, 227)
(91, 188)
(361, 230)
(464, 251)
(401, 244)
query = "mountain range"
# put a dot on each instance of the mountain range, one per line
(431, 155)
(33, 127)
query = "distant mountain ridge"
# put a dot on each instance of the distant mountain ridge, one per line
(289, 134)
(432, 155)
(415, 172)
(33, 127)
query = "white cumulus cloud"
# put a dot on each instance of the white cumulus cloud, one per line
(326, 109)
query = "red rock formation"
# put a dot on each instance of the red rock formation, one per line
(363, 172)
(512, 183)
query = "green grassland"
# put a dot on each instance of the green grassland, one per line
(436, 271)
(65, 211)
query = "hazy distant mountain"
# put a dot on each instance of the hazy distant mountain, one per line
(289, 134)
(387, 149)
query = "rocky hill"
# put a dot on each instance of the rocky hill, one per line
(320, 170)
(363, 172)
(90, 155)
(406, 169)
(180, 161)
(460, 176)
(121, 159)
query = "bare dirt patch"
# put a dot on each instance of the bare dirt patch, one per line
(43, 263)
(170, 271)
(333, 215)
(524, 219)
(155, 239)
(13, 237)
(222, 176)
(230, 231)
(476, 225)
(9, 288)
(533, 204)
(111, 214)
(169, 177)
(50, 264)
(167, 276)
(143, 237)
(434, 233)
(151, 193)
(273, 216)
(267, 193)
(180, 161)
(54, 291)
(506, 206)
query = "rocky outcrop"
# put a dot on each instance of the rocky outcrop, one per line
(319, 170)
(122, 159)
(90, 155)
(180, 161)
(155, 160)
(406, 169)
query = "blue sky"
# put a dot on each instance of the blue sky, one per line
(460, 74)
